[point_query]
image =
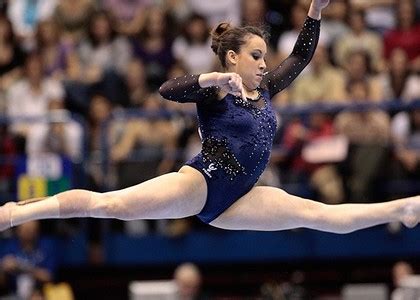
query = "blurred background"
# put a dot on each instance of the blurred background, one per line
(79, 108)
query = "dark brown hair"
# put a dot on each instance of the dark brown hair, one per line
(226, 37)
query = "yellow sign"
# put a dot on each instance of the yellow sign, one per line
(31, 187)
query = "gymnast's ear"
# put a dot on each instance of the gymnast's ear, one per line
(231, 58)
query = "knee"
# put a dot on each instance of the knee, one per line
(106, 206)
(314, 212)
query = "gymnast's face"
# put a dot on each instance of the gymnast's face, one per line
(249, 63)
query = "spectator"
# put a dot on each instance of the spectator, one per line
(129, 15)
(405, 128)
(151, 132)
(368, 132)
(287, 40)
(56, 55)
(192, 48)
(406, 35)
(359, 68)
(399, 82)
(359, 39)
(30, 97)
(217, 11)
(188, 278)
(103, 48)
(25, 15)
(60, 135)
(253, 12)
(73, 17)
(29, 260)
(11, 58)
(379, 13)
(295, 289)
(100, 109)
(323, 83)
(135, 79)
(153, 46)
(400, 271)
(334, 23)
(322, 176)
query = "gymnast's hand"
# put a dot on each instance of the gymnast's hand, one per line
(316, 7)
(320, 4)
(230, 83)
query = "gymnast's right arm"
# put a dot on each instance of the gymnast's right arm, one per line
(190, 88)
(198, 88)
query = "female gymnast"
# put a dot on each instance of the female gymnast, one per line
(237, 125)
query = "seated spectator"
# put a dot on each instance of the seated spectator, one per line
(101, 62)
(323, 83)
(29, 260)
(56, 55)
(334, 23)
(30, 96)
(11, 59)
(359, 39)
(135, 79)
(405, 130)
(154, 131)
(379, 13)
(253, 12)
(406, 35)
(73, 17)
(153, 45)
(399, 82)
(25, 15)
(103, 48)
(60, 134)
(192, 48)
(100, 110)
(368, 132)
(287, 40)
(359, 68)
(217, 11)
(321, 176)
(128, 14)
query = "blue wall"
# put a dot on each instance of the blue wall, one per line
(245, 246)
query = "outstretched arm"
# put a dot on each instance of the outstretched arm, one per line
(199, 88)
(302, 53)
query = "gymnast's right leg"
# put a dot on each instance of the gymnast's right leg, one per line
(170, 196)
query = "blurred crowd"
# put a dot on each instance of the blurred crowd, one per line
(104, 60)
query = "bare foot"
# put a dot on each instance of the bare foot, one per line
(411, 212)
(5, 212)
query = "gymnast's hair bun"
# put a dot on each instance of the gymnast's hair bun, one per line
(216, 35)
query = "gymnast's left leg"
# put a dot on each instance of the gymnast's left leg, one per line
(268, 209)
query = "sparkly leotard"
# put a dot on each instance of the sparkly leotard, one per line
(236, 134)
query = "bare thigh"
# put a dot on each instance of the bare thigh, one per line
(174, 195)
(266, 208)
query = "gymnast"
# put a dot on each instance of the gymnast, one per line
(237, 125)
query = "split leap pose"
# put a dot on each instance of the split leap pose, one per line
(237, 125)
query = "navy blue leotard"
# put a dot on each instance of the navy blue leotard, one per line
(236, 134)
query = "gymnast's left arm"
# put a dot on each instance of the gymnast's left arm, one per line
(302, 53)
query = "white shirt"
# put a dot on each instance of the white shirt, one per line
(16, 14)
(216, 11)
(22, 101)
(196, 58)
